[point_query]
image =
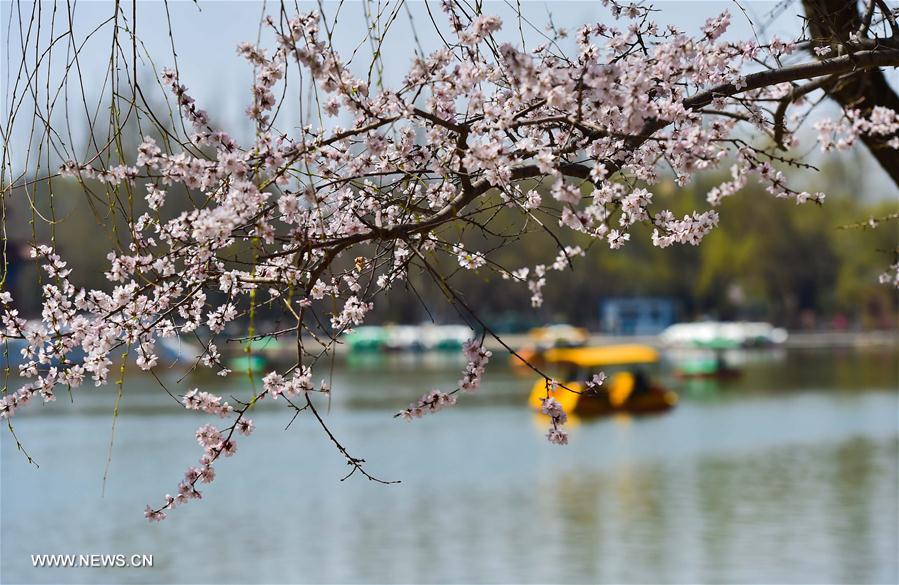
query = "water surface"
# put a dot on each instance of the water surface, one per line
(786, 475)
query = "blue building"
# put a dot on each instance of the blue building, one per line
(636, 315)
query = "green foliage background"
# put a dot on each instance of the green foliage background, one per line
(769, 259)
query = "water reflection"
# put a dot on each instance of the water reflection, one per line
(786, 475)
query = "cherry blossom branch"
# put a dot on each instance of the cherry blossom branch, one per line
(482, 137)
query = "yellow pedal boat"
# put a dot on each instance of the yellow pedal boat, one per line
(628, 388)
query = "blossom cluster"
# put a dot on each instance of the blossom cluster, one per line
(318, 220)
(477, 363)
(596, 381)
(891, 276)
(276, 385)
(215, 443)
(536, 277)
(552, 408)
(207, 402)
(881, 122)
(429, 403)
(436, 400)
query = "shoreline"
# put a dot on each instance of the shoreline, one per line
(796, 340)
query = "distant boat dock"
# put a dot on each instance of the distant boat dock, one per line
(796, 340)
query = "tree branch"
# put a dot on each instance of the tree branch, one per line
(832, 22)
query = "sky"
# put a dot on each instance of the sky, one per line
(206, 33)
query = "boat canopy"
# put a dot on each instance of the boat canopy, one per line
(608, 355)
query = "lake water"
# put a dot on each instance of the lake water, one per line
(788, 474)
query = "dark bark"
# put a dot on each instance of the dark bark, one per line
(830, 23)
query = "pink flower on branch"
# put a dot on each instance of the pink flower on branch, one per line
(317, 222)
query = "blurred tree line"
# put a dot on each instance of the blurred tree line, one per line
(794, 265)
(769, 259)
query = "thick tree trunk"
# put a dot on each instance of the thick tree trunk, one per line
(832, 22)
